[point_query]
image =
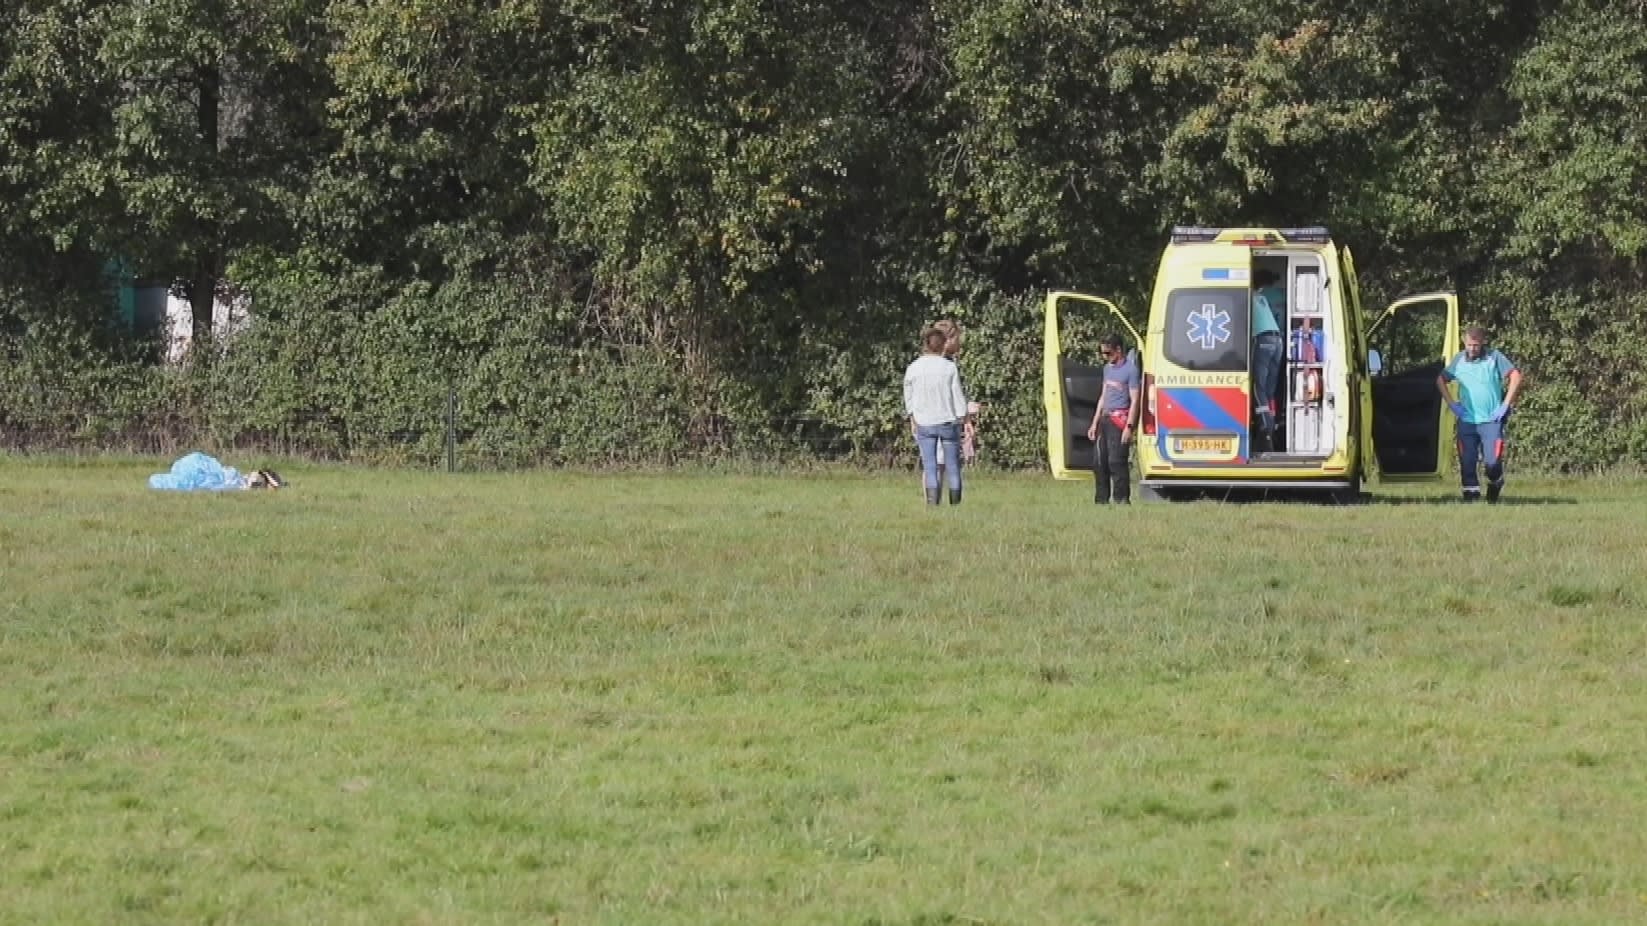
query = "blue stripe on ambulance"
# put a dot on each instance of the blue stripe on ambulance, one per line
(1212, 416)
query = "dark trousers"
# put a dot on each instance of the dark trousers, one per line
(1480, 443)
(1110, 464)
(1267, 364)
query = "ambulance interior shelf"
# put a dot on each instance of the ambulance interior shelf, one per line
(1306, 348)
(1305, 374)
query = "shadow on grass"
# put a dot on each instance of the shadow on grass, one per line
(1507, 500)
(1329, 499)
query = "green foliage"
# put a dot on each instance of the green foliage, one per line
(633, 229)
(431, 105)
(1586, 394)
(318, 372)
(64, 388)
(1001, 368)
(1571, 273)
(1575, 164)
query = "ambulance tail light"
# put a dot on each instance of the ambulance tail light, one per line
(1149, 404)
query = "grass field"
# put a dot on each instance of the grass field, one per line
(705, 698)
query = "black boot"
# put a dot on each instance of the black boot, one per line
(932, 496)
(954, 496)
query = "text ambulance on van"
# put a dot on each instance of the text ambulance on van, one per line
(1333, 425)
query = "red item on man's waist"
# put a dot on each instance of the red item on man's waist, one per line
(1119, 419)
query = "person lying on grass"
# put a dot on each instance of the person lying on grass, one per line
(198, 472)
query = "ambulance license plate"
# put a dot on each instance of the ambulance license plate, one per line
(1204, 446)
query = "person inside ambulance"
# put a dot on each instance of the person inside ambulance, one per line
(1267, 358)
(1269, 286)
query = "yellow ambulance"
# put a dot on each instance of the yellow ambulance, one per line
(1355, 401)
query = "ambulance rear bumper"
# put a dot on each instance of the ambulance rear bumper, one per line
(1323, 485)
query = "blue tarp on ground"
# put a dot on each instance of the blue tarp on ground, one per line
(198, 472)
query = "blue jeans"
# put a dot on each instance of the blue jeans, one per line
(1266, 375)
(927, 438)
(1480, 443)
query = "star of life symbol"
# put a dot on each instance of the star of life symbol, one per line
(1209, 326)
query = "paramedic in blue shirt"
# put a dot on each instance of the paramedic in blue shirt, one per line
(1487, 386)
(1114, 422)
(1266, 357)
(1269, 286)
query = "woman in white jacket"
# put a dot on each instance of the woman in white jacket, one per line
(937, 413)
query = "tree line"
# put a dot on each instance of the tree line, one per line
(660, 229)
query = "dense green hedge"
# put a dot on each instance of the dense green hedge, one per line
(532, 387)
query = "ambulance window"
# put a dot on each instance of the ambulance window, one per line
(1409, 343)
(1207, 329)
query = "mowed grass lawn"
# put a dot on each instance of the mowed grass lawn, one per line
(707, 698)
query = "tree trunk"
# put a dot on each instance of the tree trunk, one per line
(201, 291)
(202, 287)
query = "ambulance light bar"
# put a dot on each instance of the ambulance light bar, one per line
(1310, 234)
